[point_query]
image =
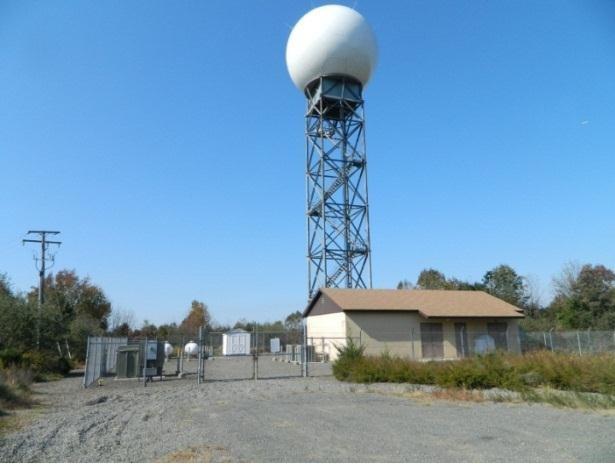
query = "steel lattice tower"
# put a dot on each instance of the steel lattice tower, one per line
(338, 249)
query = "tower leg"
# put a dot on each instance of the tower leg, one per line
(338, 249)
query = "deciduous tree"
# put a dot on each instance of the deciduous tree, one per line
(503, 282)
(198, 316)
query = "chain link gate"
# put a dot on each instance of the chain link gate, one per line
(239, 355)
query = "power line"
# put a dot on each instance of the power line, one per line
(45, 256)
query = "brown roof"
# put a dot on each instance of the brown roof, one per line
(429, 303)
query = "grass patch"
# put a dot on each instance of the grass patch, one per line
(202, 453)
(535, 375)
(555, 398)
(14, 394)
(576, 400)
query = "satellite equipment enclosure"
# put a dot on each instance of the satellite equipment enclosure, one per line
(328, 41)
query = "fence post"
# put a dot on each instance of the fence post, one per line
(181, 358)
(544, 336)
(579, 343)
(145, 363)
(322, 349)
(551, 338)
(253, 350)
(87, 354)
(304, 350)
(199, 367)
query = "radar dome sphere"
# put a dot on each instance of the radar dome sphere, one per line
(331, 40)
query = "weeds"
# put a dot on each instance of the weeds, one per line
(14, 388)
(521, 373)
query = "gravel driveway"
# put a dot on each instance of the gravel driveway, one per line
(294, 419)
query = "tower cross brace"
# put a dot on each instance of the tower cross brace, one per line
(338, 235)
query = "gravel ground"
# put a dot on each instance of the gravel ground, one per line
(293, 419)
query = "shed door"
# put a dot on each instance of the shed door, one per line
(238, 344)
(432, 340)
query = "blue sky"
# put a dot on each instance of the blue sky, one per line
(165, 140)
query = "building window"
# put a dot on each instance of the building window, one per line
(497, 331)
(431, 340)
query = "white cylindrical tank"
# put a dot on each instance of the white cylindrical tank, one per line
(331, 40)
(168, 349)
(191, 348)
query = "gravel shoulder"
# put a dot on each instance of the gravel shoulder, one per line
(294, 419)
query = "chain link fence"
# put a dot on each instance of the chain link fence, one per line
(442, 343)
(241, 355)
(581, 342)
(143, 358)
(429, 342)
(204, 356)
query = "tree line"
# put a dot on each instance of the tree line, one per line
(583, 295)
(76, 308)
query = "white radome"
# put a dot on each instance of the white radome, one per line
(331, 40)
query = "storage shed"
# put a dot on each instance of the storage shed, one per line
(418, 324)
(236, 342)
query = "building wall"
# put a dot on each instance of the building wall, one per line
(399, 332)
(324, 305)
(325, 332)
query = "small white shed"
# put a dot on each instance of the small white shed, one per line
(236, 342)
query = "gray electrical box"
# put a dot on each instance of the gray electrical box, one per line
(128, 361)
(131, 359)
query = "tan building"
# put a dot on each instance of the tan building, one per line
(419, 324)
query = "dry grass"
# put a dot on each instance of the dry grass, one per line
(605, 404)
(456, 394)
(14, 395)
(17, 419)
(201, 453)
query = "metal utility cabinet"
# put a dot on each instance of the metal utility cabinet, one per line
(128, 361)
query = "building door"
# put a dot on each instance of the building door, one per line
(239, 343)
(497, 331)
(236, 345)
(432, 340)
(461, 339)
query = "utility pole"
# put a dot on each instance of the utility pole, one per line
(44, 257)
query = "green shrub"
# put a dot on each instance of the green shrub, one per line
(14, 388)
(17, 378)
(495, 370)
(10, 357)
(43, 363)
(347, 356)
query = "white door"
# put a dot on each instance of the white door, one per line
(238, 344)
